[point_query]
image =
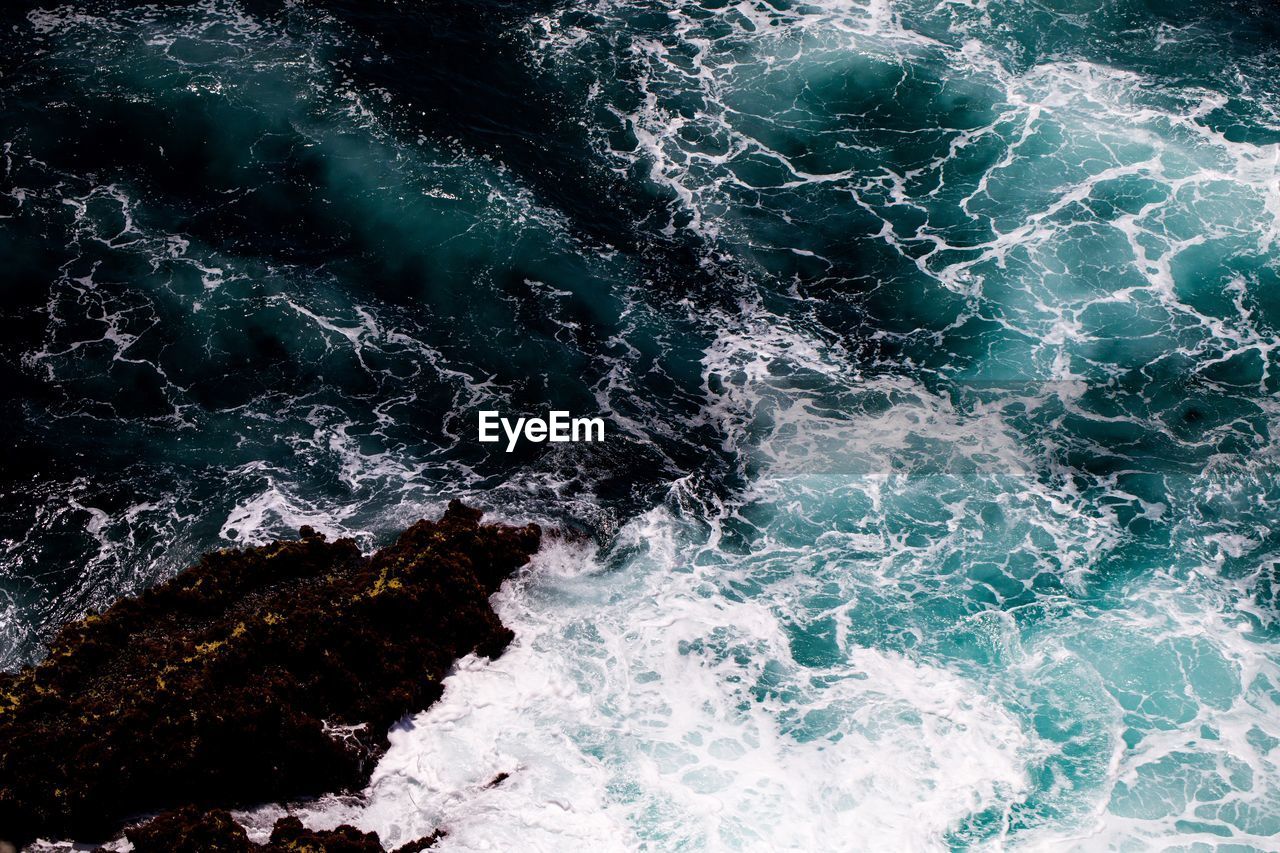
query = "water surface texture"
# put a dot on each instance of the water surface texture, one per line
(937, 343)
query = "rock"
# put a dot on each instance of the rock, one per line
(257, 675)
(290, 835)
(193, 830)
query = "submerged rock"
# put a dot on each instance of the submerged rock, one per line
(257, 675)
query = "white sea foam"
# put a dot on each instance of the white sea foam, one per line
(641, 705)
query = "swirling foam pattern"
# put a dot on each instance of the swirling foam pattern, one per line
(936, 341)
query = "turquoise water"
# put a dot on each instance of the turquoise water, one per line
(936, 343)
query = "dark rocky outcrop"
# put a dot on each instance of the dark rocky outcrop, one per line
(257, 675)
(193, 830)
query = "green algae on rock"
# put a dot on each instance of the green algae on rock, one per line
(257, 675)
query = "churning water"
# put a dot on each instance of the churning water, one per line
(937, 343)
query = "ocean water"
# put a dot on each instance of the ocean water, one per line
(936, 343)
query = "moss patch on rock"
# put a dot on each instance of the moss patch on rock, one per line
(257, 675)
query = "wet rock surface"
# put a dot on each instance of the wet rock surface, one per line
(257, 675)
(194, 830)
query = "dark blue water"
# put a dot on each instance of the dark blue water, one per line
(936, 344)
